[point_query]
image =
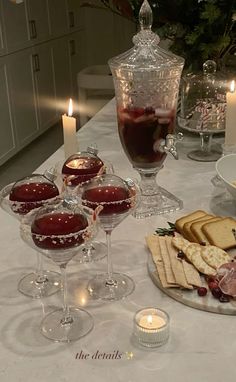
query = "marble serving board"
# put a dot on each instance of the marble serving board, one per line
(190, 297)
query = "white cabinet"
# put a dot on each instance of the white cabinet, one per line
(75, 15)
(38, 19)
(15, 24)
(2, 46)
(58, 24)
(76, 43)
(42, 60)
(7, 136)
(61, 64)
(23, 96)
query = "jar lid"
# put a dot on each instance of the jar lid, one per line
(146, 55)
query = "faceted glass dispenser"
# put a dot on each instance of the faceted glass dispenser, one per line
(146, 80)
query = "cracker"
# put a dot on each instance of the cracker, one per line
(191, 274)
(154, 247)
(214, 256)
(177, 266)
(188, 234)
(160, 272)
(221, 233)
(184, 219)
(153, 244)
(196, 228)
(193, 254)
(166, 260)
(180, 243)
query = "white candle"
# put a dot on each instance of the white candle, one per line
(151, 327)
(151, 322)
(230, 131)
(69, 132)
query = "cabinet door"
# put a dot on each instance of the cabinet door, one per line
(74, 15)
(58, 17)
(2, 47)
(38, 20)
(7, 138)
(45, 85)
(61, 64)
(77, 58)
(15, 23)
(22, 90)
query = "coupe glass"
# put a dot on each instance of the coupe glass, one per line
(41, 282)
(146, 80)
(117, 199)
(57, 231)
(76, 170)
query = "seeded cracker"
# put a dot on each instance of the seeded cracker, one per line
(214, 256)
(180, 243)
(193, 254)
(177, 266)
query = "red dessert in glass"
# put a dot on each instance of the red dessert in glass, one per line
(80, 168)
(46, 228)
(141, 130)
(31, 192)
(114, 199)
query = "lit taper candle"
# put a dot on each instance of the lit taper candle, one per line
(230, 129)
(69, 132)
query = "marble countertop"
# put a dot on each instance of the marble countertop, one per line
(202, 345)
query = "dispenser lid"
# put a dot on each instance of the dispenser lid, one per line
(146, 54)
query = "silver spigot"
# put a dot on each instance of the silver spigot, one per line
(168, 145)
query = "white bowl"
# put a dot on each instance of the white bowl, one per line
(226, 170)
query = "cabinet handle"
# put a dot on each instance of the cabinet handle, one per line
(72, 47)
(71, 19)
(36, 62)
(33, 30)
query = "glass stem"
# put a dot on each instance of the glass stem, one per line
(109, 280)
(41, 278)
(148, 182)
(66, 319)
(206, 140)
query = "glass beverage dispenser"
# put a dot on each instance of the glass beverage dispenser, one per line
(146, 80)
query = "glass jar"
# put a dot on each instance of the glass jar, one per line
(146, 80)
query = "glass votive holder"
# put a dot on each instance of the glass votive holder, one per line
(151, 327)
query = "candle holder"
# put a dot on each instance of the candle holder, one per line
(151, 327)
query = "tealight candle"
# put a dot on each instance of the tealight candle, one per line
(151, 327)
(69, 132)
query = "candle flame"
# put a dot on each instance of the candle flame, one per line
(232, 86)
(70, 108)
(149, 319)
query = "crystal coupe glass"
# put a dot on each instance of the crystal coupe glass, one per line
(18, 199)
(57, 231)
(146, 80)
(117, 199)
(76, 170)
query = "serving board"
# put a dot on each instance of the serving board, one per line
(190, 297)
